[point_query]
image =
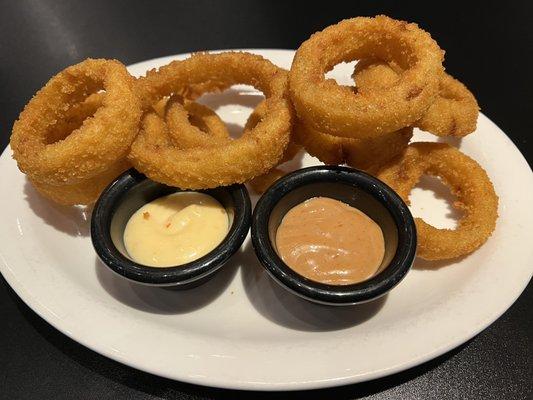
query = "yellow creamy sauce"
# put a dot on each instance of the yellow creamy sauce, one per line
(175, 229)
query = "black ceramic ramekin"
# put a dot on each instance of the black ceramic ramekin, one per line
(131, 191)
(354, 188)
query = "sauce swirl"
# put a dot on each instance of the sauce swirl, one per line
(331, 242)
(175, 229)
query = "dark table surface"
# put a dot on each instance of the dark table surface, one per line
(488, 47)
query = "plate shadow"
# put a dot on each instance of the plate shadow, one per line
(165, 301)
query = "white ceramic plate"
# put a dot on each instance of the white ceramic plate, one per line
(241, 330)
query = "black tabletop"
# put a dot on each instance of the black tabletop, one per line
(488, 47)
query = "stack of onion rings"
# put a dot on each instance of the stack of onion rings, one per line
(467, 180)
(327, 107)
(235, 161)
(90, 121)
(80, 116)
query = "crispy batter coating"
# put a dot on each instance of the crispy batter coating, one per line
(191, 124)
(87, 190)
(262, 182)
(200, 126)
(466, 179)
(206, 72)
(90, 149)
(453, 113)
(327, 107)
(370, 74)
(233, 162)
(366, 153)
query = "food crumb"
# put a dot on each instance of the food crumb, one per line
(146, 215)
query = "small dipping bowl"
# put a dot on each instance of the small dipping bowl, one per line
(357, 189)
(132, 190)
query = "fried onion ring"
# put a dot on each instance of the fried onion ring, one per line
(327, 107)
(366, 154)
(86, 191)
(466, 179)
(74, 117)
(370, 74)
(191, 124)
(204, 72)
(233, 162)
(92, 148)
(453, 113)
(262, 182)
(203, 127)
